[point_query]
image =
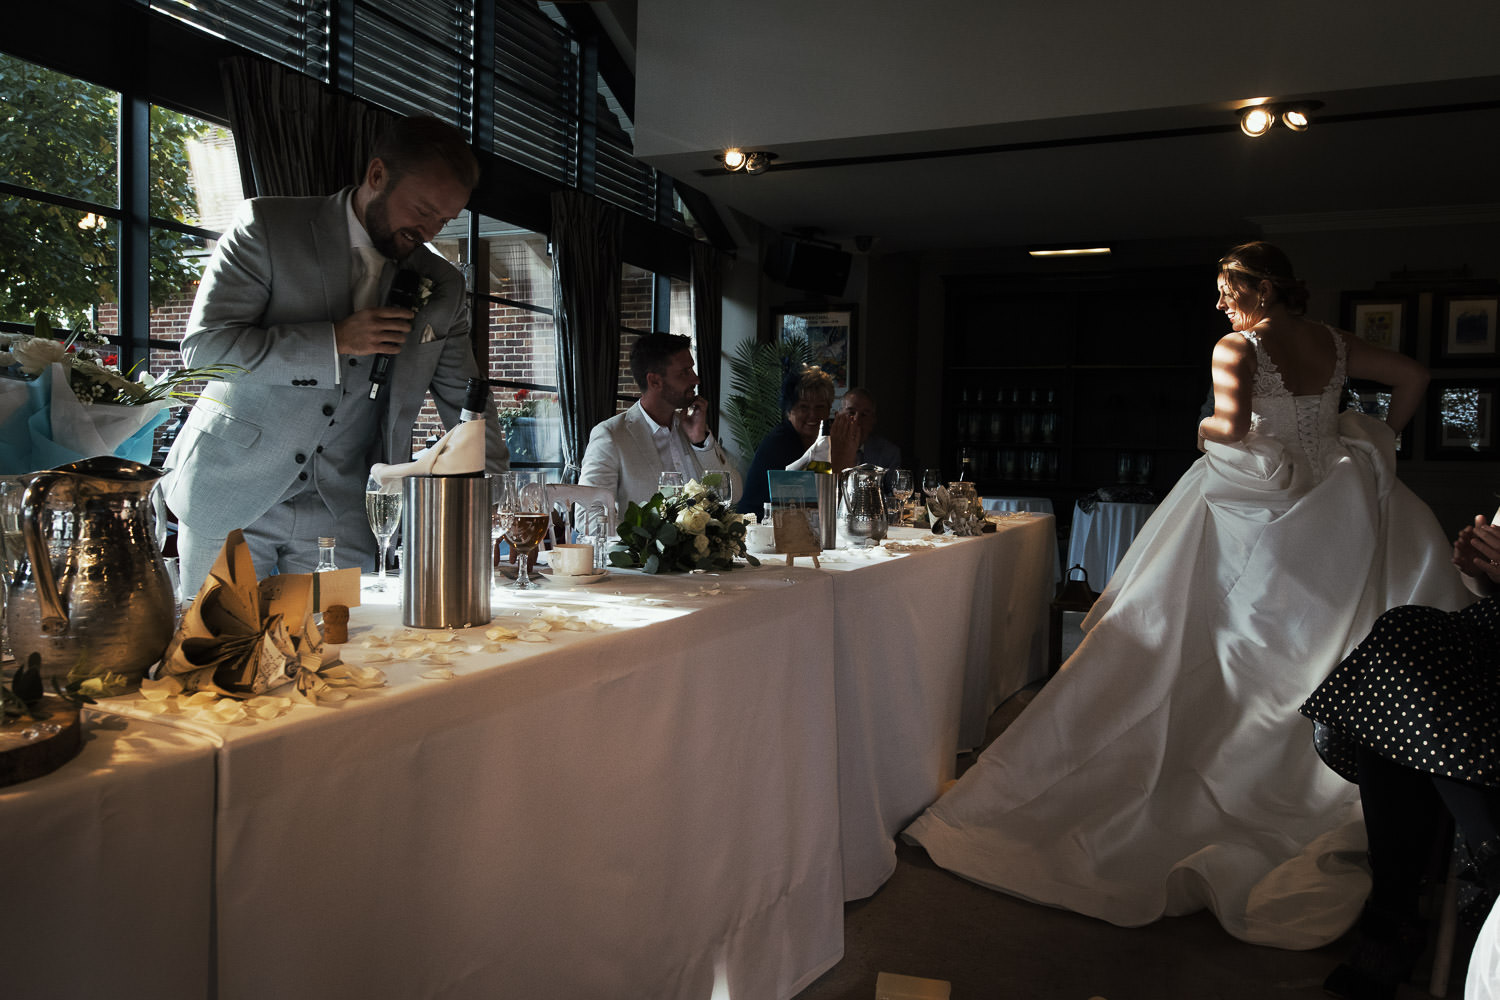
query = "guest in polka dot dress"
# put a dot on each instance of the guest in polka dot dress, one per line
(1411, 717)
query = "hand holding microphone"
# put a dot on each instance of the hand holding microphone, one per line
(403, 295)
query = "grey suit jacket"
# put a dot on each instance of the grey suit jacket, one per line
(277, 281)
(622, 457)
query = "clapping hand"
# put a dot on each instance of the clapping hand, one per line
(1476, 551)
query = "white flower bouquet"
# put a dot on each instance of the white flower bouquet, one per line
(61, 401)
(692, 530)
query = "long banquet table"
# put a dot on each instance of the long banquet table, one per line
(676, 805)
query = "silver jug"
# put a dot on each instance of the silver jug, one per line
(90, 593)
(865, 516)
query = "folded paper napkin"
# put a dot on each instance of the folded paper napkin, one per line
(242, 637)
(460, 452)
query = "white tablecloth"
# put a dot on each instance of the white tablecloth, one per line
(1100, 538)
(646, 811)
(1040, 505)
(928, 646)
(105, 882)
(677, 804)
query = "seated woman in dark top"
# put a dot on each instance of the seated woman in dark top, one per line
(1411, 717)
(806, 401)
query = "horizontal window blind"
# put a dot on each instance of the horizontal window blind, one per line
(415, 56)
(536, 91)
(291, 32)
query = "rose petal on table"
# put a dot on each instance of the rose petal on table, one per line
(441, 637)
(538, 625)
(160, 691)
(533, 637)
(438, 658)
(383, 656)
(438, 674)
(376, 641)
(498, 632)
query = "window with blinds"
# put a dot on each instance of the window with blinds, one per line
(291, 32)
(416, 56)
(423, 57)
(536, 91)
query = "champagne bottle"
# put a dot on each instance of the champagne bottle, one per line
(470, 425)
(822, 450)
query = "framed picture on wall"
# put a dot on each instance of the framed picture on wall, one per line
(1464, 329)
(1383, 320)
(1461, 418)
(1374, 399)
(830, 333)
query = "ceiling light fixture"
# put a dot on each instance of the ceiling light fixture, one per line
(1258, 119)
(1068, 251)
(751, 162)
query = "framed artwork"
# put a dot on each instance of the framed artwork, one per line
(830, 333)
(1374, 399)
(1461, 418)
(1464, 329)
(1383, 320)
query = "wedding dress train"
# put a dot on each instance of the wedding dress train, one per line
(1165, 768)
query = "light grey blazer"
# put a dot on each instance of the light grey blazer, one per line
(267, 302)
(622, 457)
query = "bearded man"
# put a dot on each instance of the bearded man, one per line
(296, 295)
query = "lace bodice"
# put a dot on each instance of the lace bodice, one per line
(1308, 424)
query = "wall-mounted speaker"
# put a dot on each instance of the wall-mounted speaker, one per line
(808, 267)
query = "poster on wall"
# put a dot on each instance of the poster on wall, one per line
(830, 334)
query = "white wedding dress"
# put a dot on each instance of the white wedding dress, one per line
(1165, 768)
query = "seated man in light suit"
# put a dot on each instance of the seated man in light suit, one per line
(295, 294)
(665, 431)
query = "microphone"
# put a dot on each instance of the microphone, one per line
(403, 295)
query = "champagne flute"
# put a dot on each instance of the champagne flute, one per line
(901, 489)
(524, 519)
(383, 508)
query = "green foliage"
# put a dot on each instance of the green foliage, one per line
(756, 369)
(60, 135)
(692, 530)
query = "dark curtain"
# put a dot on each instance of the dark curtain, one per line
(586, 296)
(294, 135)
(708, 324)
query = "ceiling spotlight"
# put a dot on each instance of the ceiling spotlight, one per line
(757, 162)
(751, 162)
(1256, 121)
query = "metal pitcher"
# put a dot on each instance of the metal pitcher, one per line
(865, 516)
(90, 593)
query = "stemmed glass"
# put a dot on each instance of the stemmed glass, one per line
(383, 508)
(721, 482)
(524, 519)
(10, 554)
(901, 489)
(669, 483)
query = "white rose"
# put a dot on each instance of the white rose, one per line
(34, 354)
(693, 520)
(694, 489)
(700, 545)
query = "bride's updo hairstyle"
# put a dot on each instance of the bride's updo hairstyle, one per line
(1248, 264)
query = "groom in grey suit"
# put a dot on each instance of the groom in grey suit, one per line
(666, 429)
(294, 295)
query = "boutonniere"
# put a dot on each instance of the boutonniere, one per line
(424, 291)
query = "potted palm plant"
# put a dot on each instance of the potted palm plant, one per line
(752, 409)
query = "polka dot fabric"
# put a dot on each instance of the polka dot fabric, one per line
(1421, 690)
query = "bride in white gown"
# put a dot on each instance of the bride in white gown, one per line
(1165, 768)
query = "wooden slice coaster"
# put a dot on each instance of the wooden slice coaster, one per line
(31, 747)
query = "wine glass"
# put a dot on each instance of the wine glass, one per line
(669, 483)
(523, 519)
(721, 482)
(901, 489)
(10, 553)
(931, 480)
(383, 508)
